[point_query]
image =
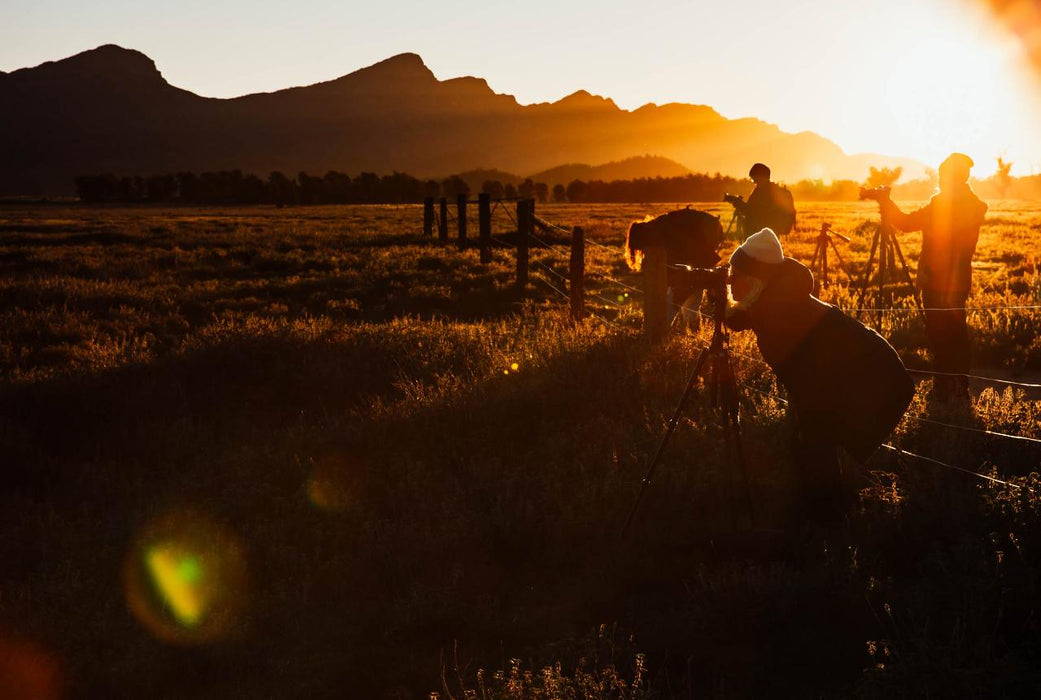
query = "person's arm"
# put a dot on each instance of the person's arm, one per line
(915, 221)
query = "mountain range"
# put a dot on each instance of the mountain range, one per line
(110, 110)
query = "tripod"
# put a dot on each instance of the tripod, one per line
(819, 262)
(737, 224)
(722, 392)
(885, 250)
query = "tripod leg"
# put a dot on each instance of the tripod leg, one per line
(824, 261)
(842, 263)
(870, 264)
(732, 428)
(673, 422)
(907, 274)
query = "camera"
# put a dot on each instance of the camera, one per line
(713, 279)
(734, 199)
(876, 193)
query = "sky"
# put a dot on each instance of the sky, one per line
(918, 79)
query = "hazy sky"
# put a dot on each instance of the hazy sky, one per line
(918, 78)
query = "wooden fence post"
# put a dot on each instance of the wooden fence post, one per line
(655, 286)
(461, 219)
(442, 226)
(428, 216)
(578, 271)
(524, 223)
(484, 224)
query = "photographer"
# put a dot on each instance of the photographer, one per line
(950, 226)
(769, 206)
(846, 384)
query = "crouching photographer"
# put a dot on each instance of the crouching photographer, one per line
(846, 385)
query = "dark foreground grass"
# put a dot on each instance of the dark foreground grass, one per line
(427, 495)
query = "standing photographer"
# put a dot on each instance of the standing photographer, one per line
(846, 384)
(950, 226)
(769, 206)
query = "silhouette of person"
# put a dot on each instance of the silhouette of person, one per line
(846, 385)
(950, 226)
(769, 206)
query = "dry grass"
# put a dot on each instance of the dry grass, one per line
(342, 397)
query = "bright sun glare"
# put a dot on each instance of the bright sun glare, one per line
(951, 95)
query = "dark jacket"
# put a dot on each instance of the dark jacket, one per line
(950, 226)
(769, 206)
(827, 361)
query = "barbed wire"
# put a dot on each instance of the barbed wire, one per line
(932, 460)
(976, 430)
(1025, 385)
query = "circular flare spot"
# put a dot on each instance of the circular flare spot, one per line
(185, 579)
(333, 484)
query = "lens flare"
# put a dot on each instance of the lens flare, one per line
(28, 671)
(185, 579)
(334, 483)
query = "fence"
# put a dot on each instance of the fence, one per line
(525, 222)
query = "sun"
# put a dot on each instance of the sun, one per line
(955, 93)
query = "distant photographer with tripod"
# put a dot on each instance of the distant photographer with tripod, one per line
(769, 206)
(950, 225)
(846, 384)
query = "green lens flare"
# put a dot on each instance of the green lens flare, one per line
(177, 579)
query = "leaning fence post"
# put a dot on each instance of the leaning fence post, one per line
(442, 224)
(523, 231)
(655, 285)
(461, 219)
(578, 271)
(484, 224)
(428, 216)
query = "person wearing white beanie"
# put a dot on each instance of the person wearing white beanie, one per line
(847, 386)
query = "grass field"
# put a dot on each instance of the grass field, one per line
(308, 453)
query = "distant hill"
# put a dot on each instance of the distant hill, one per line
(628, 169)
(110, 110)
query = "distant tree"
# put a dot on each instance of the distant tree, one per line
(454, 186)
(559, 193)
(337, 187)
(526, 190)
(493, 188)
(366, 187)
(1003, 177)
(883, 177)
(576, 191)
(509, 191)
(97, 188)
(432, 188)
(310, 188)
(542, 192)
(281, 190)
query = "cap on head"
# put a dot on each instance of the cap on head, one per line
(759, 170)
(956, 167)
(759, 256)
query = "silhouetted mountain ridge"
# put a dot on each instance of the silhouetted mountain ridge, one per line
(111, 110)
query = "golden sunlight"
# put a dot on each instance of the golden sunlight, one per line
(949, 97)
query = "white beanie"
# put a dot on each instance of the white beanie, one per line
(759, 255)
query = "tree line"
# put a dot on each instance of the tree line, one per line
(236, 187)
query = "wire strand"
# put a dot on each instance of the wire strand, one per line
(1008, 382)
